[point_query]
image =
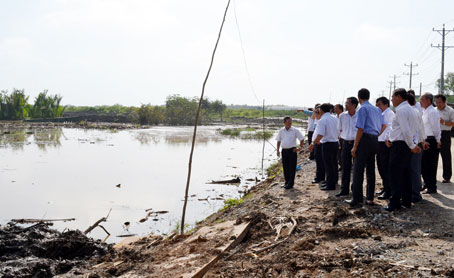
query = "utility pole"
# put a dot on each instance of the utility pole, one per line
(411, 72)
(443, 34)
(420, 89)
(390, 89)
(394, 77)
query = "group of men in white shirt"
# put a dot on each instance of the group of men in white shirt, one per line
(406, 143)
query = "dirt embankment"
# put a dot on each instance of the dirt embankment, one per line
(328, 240)
(38, 251)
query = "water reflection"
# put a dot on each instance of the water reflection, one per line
(17, 138)
(175, 135)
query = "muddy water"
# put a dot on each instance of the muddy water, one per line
(64, 173)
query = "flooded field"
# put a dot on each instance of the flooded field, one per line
(54, 172)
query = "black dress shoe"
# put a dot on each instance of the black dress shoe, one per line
(384, 196)
(429, 191)
(326, 188)
(381, 192)
(423, 187)
(288, 186)
(391, 207)
(406, 205)
(316, 181)
(353, 204)
(446, 181)
(342, 194)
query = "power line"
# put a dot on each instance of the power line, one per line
(443, 32)
(244, 53)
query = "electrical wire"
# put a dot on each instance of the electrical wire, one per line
(244, 54)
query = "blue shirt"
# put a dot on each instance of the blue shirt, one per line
(370, 118)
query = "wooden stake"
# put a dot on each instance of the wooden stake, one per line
(196, 122)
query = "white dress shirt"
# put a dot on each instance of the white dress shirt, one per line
(431, 120)
(388, 116)
(447, 114)
(419, 107)
(347, 126)
(310, 124)
(327, 127)
(288, 137)
(418, 126)
(401, 128)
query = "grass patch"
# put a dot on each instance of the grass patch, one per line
(232, 203)
(234, 132)
(273, 170)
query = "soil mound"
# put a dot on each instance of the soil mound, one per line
(39, 251)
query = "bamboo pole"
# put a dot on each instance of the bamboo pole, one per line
(197, 120)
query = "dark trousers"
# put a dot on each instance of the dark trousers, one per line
(329, 153)
(365, 158)
(289, 159)
(383, 166)
(399, 173)
(430, 164)
(320, 167)
(445, 152)
(415, 175)
(346, 165)
(309, 139)
(339, 152)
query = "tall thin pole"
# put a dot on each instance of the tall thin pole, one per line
(197, 120)
(420, 89)
(443, 34)
(263, 147)
(411, 72)
(442, 78)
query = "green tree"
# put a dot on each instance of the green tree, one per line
(449, 83)
(181, 110)
(151, 115)
(46, 106)
(12, 106)
(218, 107)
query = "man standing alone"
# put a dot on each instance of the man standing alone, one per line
(286, 138)
(431, 120)
(447, 122)
(370, 125)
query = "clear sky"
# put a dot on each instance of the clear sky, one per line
(298, 52)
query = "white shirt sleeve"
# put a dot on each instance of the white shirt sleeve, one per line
(279, 136)
(299, 135)
(402, 118)
(435, 124)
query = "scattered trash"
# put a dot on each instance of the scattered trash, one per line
(231, 181)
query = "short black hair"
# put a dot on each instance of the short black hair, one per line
(383, 100)
(340, 106)
(353, 100)
(411, 99)
(411, 92)
(364, 94)
(287, 118)
(443, 97)
(401, 92)
(429, 96)
(326, 107)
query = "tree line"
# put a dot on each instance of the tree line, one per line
(15, 106)
(178, 110)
